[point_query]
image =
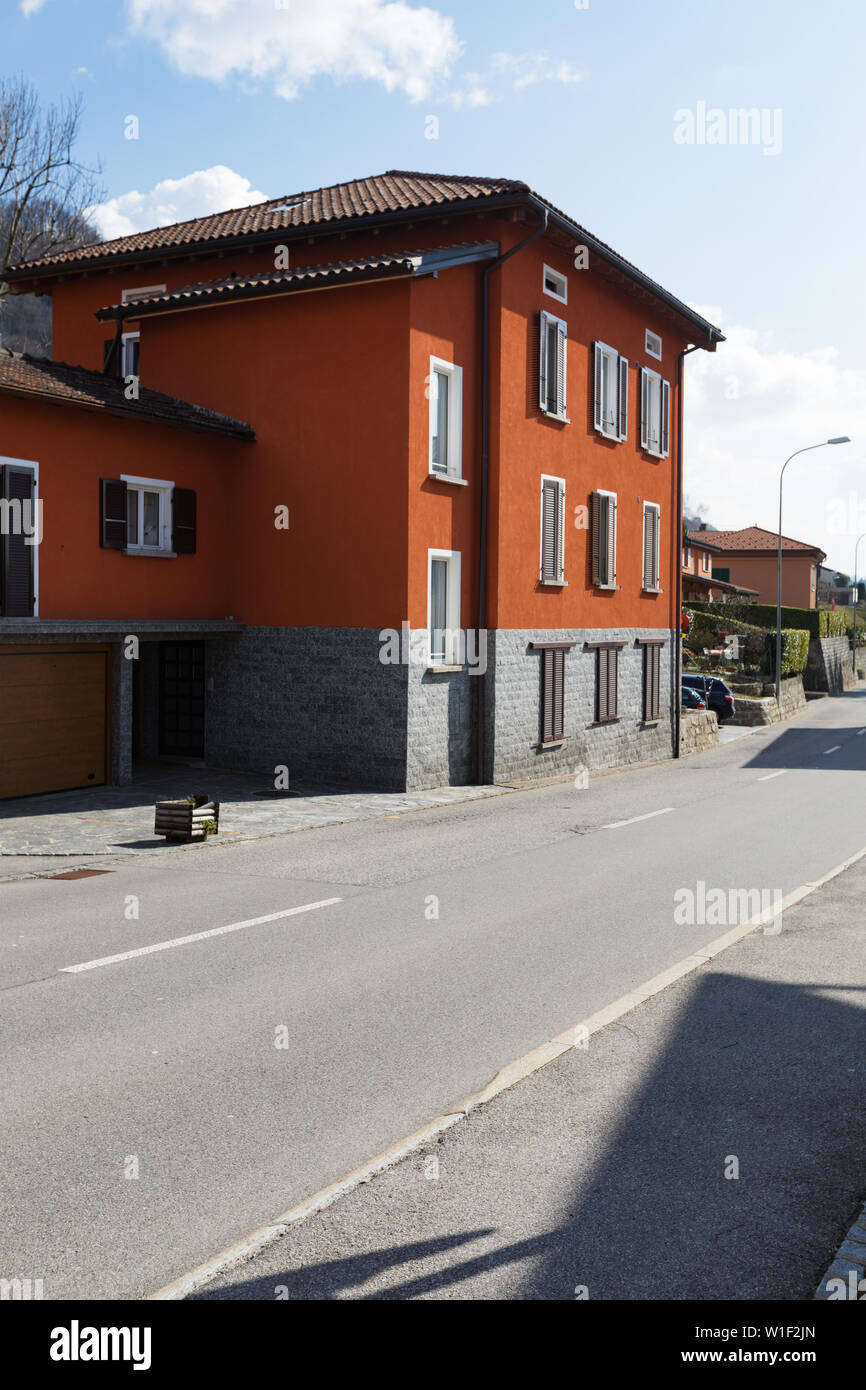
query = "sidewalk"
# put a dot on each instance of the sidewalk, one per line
(119, 820)
(605, 1171)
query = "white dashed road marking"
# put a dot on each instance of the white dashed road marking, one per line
(834, 749)
(770, 775)
(615, 825)
(196, 936)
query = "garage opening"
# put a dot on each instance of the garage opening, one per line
(54, 722)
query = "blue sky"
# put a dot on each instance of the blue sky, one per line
(239, 98)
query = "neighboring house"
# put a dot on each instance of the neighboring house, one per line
(379, 494)
(748, 558)
(698, 579)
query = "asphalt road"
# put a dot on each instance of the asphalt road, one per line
(165, 1063)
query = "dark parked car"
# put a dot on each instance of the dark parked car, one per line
(691, 699)
(715, 692)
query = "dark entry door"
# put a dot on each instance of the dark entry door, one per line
(181, 699)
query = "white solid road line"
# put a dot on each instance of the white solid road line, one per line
(196, 936)
(615, 825)
(575, 1036)
(770, 775)
(834, 749)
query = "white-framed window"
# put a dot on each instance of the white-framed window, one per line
(446, 418)
(655, 413)
(552, 568)
(604, 539)
(653, 345)
(652, 514)
(555, 285)
(148, 514)
(130, 355)
(611, 392)
(141, 292)
(705, 561)
(553, 340)
(687, 557)
(443, 606)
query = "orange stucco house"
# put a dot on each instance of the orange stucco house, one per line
(384, 480)
(750, 558)
(699, 581)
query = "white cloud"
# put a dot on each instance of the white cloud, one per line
(288, 43)
(175, 200)
(29, 7)
(748, 407)
(527, 69)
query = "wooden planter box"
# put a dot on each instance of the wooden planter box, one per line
(186, 820)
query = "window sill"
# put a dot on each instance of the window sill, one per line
(551, 415)
(151, 554)
(437, 669)
(552, 743)
(613, 437)
(652, 591)
(651, 453)
(448, 478)
(554, 583)
(609, 588)
(602, 723)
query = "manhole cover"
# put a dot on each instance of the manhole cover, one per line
(82, 873)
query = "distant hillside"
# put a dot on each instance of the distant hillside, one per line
(25, 323)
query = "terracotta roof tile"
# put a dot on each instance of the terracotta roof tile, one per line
(389, 264)
(62, 384)
(753, 538)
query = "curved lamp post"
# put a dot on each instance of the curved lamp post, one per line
(856, 548)
(840, 439)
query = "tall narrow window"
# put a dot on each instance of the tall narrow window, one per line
(552, 530)
(652, 652)
(604, 539)
(445, 384)
(607, 682)
(19, 534)
(443, 607)
(552, 694)
(553, 338)
(611, 392)
(655, 410)
(130, 354)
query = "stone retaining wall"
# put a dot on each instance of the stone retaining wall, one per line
(699, 730)
(765, 710)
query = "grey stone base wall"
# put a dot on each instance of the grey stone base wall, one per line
(830, 665)
(316, 700)
(514, 705)
(440, 728)
(699, 730)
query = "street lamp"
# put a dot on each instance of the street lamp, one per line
(840, 439)
(856, 548)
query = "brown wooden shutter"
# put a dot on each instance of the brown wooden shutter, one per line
(17, 588)
(656, 681)
(112, 514)
(184, 512)
(612, 673)
(547, 696)
(595, 519)
(652, 681)
(601, 684)
(558, 691)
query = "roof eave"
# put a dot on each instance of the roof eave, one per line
(244, 435)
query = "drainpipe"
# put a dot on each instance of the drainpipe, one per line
(678, 642)
(481, 703)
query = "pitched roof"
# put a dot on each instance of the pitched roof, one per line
(391, 197)
(393, 192)
(707, 581)
(388, 265)
(754, 539)
(62, 384)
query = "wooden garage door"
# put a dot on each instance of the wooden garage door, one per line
(52, 721)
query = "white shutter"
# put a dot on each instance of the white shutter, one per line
(666, 419)
(622, 399)
(561, 341)
(608, 573)
(647, 547)
(549, 511)
(644, 409)
(560, 540)
(542, 360)
(599, 367)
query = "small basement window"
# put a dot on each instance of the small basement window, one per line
(653, 344)
(555, 285)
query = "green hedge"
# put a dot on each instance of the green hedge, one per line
(795, 651)
(818, 622)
